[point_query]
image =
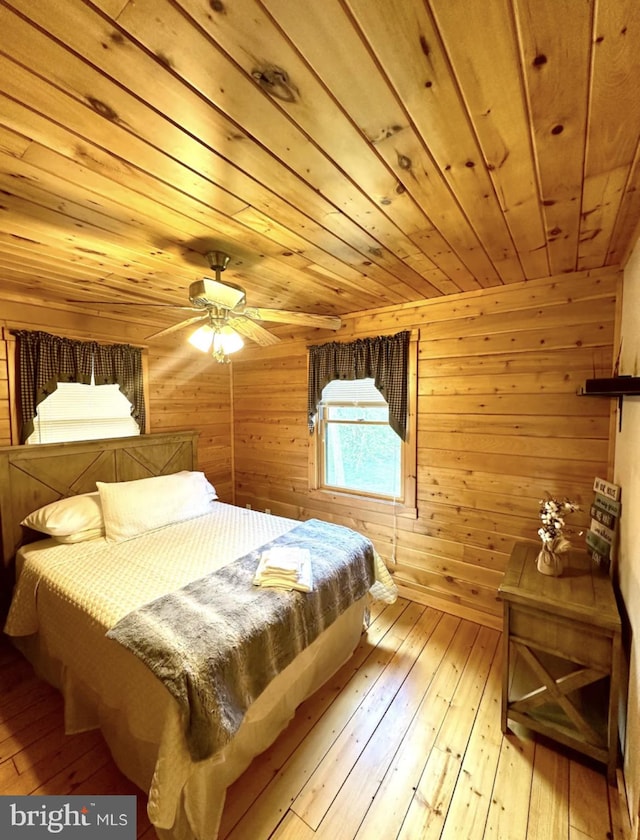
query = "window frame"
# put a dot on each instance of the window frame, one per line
(407, 506)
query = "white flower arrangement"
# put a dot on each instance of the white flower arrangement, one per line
(552, 516)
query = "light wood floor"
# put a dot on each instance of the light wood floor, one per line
(404, 742)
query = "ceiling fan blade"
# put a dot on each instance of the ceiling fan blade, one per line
(133, 303)
(253, 331)
(168, 330)
(282, 316)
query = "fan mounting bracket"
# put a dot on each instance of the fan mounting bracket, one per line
(218, 260)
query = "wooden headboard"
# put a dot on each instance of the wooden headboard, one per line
(33, 476)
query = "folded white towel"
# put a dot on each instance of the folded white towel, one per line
(276, 571)
(285, 568)
(286, 560)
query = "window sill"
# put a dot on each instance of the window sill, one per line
(385, 506)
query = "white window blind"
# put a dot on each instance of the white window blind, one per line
(351, 391)
(83, 412)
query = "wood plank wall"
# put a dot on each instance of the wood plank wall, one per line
(499, 424)
(5, 428)
(186, 389)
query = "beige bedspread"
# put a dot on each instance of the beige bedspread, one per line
(109, 580)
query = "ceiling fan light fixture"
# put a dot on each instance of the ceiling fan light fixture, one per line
(202, 338)
(226, 340)
(219, 341)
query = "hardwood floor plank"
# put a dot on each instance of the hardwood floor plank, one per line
(415, 657)
(431, 678)
(75, 775)
(55, 759)
(549, 803)
(28, 733)
(19, 692)
(515, 771)
(393, 798)
(43, 751)
(467, 814)
(619, 810)
(30, 714)
(8, 773)
(427, 812)
(13, 677)
(574, 834)
(35, 696)
(586, 785)
(458, 723)
(293, 828)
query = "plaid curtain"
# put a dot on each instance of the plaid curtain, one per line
(44, 360)
(383, 359)
(121, 365)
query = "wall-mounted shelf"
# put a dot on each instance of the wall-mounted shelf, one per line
(616, 386)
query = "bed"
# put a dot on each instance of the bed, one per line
(79, 602)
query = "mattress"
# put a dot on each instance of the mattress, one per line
(68, 596)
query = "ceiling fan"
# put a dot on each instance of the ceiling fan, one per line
(225, 317)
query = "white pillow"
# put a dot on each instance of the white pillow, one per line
(75, 517)
(209, 488)
(81, 536)
(131, 508)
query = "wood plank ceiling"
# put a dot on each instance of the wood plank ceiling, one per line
(347, 154)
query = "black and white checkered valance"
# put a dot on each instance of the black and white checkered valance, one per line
(44, 360)
(383, 359)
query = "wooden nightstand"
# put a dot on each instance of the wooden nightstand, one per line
(562, 653)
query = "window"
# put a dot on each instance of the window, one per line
(83, 412)
(355, 456)
(359, 452)
(98, 384)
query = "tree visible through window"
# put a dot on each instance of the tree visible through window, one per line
(359, 451)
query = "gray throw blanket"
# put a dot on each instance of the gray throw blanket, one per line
(218, 642)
